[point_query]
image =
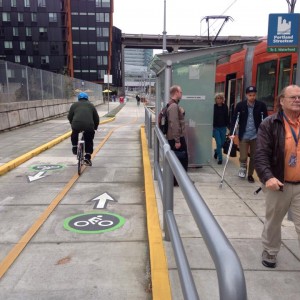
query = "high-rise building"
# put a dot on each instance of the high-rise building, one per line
(138, 57)
(136, 67)
(73, 37)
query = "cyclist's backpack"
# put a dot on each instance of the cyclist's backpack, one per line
(163, 120)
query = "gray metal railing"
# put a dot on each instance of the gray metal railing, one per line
(230, 274)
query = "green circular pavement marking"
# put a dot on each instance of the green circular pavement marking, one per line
(94, 222)
(46, 167)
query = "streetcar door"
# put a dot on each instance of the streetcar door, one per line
(231, 95)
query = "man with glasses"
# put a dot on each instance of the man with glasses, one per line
(176, 127)
(251, 112)
(278, 168)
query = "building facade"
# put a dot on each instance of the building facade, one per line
(73, 37)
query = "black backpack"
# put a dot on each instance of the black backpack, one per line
(163, 120)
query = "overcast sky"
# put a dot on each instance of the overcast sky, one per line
(250, 17)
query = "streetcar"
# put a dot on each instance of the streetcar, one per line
(269, 72)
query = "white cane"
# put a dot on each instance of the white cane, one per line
(229, 149)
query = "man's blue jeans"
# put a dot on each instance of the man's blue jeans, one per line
(219, 133)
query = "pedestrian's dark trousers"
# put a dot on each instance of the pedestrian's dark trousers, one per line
(181, 153)
(88, 139)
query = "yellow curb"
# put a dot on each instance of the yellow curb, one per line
(159, 269)
(21, 159)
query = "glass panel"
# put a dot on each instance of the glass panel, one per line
(265, 82)
(284, 72)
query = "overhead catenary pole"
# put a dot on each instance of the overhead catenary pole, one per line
(164, 32)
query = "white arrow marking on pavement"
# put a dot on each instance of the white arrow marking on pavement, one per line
(37, 176)
(102, 200)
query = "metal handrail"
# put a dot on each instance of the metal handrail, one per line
(230, 274)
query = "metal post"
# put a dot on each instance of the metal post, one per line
(27, 83)
(168, 79)
(164, 32)
(7, 82)
(168, 189)
(52, 85)
(42, 89)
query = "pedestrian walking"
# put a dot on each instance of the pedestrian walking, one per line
(138, 100)
(220, 123)
(251, 113)
(176, 127)
(278, 168)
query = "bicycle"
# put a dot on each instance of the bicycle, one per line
(80, 152)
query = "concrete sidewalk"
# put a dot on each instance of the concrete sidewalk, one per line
(240, 214)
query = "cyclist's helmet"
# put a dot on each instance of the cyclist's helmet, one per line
(83, 95)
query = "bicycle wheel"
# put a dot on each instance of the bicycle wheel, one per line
(80, 158)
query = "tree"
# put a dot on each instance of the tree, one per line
(291, 4)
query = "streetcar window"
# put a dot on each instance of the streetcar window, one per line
(294, 73)
(284, 73)
(265, 82)
(220, 87)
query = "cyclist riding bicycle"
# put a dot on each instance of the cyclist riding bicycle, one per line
(83, 116)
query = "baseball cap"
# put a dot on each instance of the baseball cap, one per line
(251, 89)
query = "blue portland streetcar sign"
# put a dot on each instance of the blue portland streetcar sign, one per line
(283, 32)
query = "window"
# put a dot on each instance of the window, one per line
(20, 17)
(102, 32)
(98, 3)
(30, 59)
(35, 46)
(265, 82)
(41, 3)
(1, 4)
(33, 17)
(105, 3)
(5, 17)
(102, 17)
(284, 72)
(45, 59)
(15, 31)
(102, 46)
(102, 60)
(42, 29)
(22, 46)
(27, 3)
(8, 45)
(10, 73)
(17, 59)
(52, 17)
(13, 3)
(28, 31)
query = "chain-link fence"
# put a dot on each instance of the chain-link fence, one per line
(23, 83)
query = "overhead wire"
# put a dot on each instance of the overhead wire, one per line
(213, 29)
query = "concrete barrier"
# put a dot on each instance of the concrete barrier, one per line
(16, 114)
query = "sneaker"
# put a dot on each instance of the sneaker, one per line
(251, 179)
(268, 260)
(87, 162)
(242, 172)
(74, 150)
(220, 162)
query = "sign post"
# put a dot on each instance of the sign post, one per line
(108, 80)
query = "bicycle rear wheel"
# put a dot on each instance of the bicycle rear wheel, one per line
(80, 158)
